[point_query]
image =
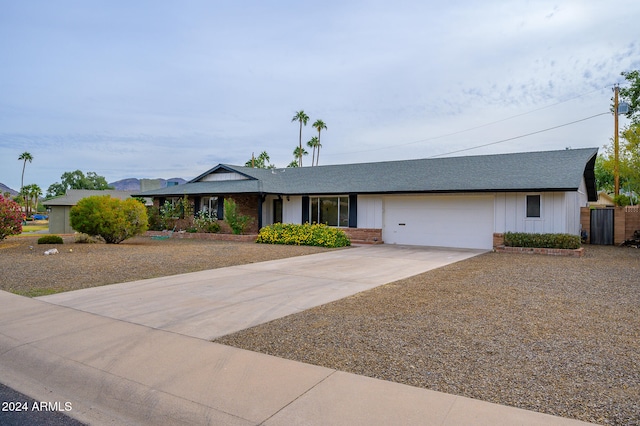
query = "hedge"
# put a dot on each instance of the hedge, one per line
(554, 241)
(303, 235)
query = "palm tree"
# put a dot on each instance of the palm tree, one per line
(34, 193)
(313, 143)
(319, 125)
(302, 118)
(298, 153)
(25, 156)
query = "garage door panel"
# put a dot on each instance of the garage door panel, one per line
(455, 221)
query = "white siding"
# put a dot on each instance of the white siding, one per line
(557, 213)
(214, 177)
(369, 211)
(292, 210)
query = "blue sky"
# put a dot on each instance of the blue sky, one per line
(168, 89)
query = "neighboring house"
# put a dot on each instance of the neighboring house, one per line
(60, 207)
(453, 202)
(604, 200)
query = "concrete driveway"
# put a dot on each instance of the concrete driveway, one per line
(213, 303)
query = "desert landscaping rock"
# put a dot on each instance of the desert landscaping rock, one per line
(90, 265)
(550, 334)
(553, 335)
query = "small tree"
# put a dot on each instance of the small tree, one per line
(10, 218)
(236, 221)
(112, 219)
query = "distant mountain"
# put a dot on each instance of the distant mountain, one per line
(4, 188)
(135, 184)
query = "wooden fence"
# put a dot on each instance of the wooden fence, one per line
(626, 220)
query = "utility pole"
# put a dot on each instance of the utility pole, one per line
(616, 171)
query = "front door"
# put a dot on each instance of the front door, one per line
(277, 210)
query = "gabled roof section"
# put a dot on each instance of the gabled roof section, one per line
(521, 172)
(221, 169)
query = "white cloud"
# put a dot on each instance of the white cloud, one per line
(151, 89)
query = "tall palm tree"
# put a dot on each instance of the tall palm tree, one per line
(34, 192)
(25, 156)
(298, 153)
(313, 143)
(302, 118)
(319, 125)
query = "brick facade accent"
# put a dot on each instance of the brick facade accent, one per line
(247, 206)
(632, 221)
(619, 227)
(498, 239)
(364, 235)
(547, 251)
(247, 238)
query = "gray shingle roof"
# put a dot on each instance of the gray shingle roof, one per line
(72, 196)
(531, 171)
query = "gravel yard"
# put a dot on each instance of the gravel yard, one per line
(27, 271)
(549, 334)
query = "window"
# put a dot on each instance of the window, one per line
(333, 211)
(533, 206)
(209, 206)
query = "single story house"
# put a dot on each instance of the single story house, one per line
(452, 202)
(60, 207)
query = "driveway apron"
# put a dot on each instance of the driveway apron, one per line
(209, 304)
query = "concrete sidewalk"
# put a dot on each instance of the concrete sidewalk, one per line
(113, 371)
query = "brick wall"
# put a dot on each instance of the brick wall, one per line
(585, 221)
(632, 221)
(248, 206)
(619, 219)
(364, 235)
(204, 236)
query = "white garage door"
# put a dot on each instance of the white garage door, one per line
(446, 221)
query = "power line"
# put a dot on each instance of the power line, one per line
(519, 137)
(476, 127)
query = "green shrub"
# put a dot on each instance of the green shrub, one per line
(303, 235)
(236, 221)
(112, 219)
(622, 200)
(154, 218)
(50, 239)
(557, 241)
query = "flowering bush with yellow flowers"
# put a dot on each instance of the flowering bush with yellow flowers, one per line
(303, 235)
